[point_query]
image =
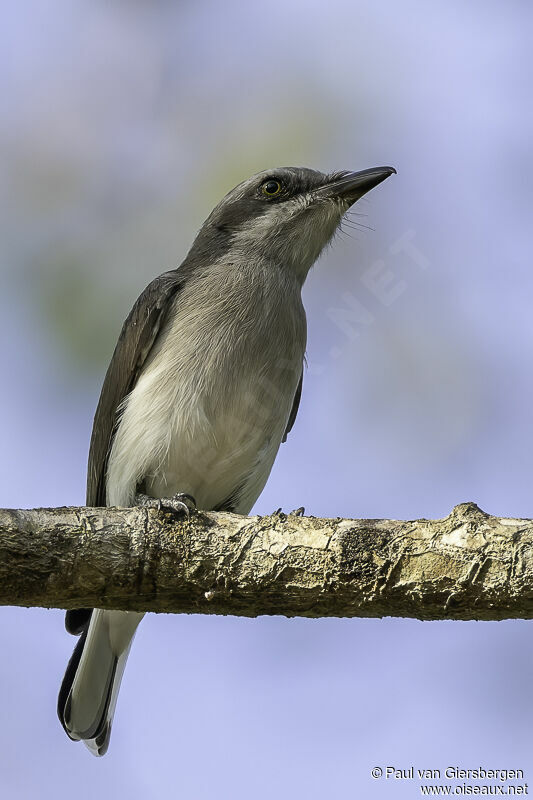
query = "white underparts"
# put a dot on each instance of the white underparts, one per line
(211, 405)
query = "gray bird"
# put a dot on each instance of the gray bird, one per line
(203, 387)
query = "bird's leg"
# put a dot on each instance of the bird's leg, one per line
(180, 503)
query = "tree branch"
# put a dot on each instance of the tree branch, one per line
(467, 566)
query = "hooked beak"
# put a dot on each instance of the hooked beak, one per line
(351, 186)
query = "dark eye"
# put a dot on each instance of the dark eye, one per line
(271, 187)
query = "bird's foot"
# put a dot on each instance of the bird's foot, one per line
(180, 503)
(298, 512)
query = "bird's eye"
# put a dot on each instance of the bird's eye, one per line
(271, 188)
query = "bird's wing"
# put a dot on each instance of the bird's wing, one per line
(136, 339)
(295, 407)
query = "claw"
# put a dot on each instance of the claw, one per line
(298, 512)
(180, 503)
(185, 502)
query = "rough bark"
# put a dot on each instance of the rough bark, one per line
(467, 566)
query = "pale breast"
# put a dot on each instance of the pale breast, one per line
(210, 408)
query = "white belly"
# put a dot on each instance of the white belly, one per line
(223, 455)
(206, 417)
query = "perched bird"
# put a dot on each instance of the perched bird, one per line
(203, 387)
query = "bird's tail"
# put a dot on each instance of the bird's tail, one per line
(89, 691)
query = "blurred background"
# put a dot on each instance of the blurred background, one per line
(121, 125)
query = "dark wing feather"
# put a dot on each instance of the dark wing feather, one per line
(136, 339)
(295, 407)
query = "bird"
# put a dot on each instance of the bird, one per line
(203, 387)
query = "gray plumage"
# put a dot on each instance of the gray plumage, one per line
(203, 387)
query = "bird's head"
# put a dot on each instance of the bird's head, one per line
(285, 215)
